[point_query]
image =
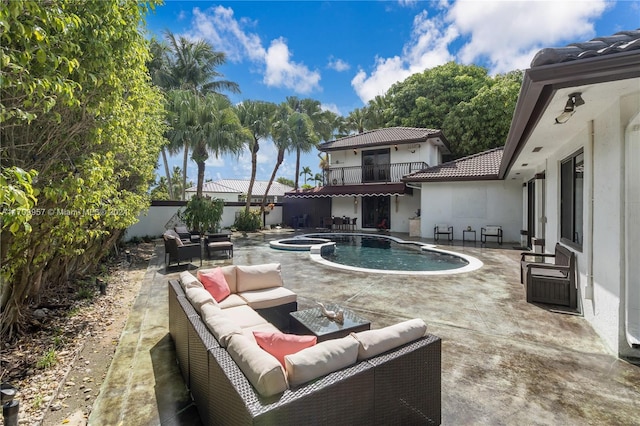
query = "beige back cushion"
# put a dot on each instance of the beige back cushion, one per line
(221, 326)
(262, 370)
(229, 273)
(188, 280)
(321, 359)
(257, 277)
(198, 296)
(375, 342)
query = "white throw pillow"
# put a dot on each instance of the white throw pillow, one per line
(262, 370)
(375, 342)
(321, 359)
(256, 277)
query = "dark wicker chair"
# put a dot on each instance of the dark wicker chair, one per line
(551, 283)
(178, 253)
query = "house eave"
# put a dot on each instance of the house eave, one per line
(541, 83)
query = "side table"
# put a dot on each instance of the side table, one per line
(467, 231)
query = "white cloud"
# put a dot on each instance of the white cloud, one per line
(227, 34)
(501, 35)
(331, 107)
(338, 64)
(282, 72)
(507, 34)
(428, 47)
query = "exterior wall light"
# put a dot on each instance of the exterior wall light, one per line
(574, 101)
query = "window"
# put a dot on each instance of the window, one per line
(571, 199)
(375, 165)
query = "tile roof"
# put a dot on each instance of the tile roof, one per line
(481, 166)
(623, 41)
(241, 186)
(386, 136)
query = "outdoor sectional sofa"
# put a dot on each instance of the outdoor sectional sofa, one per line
(401, 385)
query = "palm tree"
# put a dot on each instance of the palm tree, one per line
(322, 126)
(289, 126)
(375, 110)
(191, 65)
(205, 124)
(306, 172)
(257, 117)
(356, 120)
(318, 178)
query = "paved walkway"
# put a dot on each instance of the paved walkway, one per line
(504, 361)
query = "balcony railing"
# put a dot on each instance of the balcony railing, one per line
(378, 173)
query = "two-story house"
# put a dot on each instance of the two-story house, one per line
(363, 181)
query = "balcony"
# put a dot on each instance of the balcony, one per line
(377, 173)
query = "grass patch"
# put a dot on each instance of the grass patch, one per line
(48, 360)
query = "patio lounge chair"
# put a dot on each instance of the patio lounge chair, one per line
(179, 251)
(443, 230)
(185, 235)
(552, 283)
(494, 231)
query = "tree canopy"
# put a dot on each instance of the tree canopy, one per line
(77, 110)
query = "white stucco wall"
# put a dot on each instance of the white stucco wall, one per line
(603, 299)
(475, 204)
(401, 211)
(152, 222)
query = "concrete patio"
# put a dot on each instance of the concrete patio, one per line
(504, 361)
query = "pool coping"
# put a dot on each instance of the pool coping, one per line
(315, 252)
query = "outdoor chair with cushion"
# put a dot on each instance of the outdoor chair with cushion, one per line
(552, 283)
(185, 235)
(443, 230)
(179, 251)
(491, 231)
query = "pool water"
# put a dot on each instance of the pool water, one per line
(385, 254)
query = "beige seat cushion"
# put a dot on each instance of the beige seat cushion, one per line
(221, 326)
(267, 328)
(552, 273)
(321, 359)
(375, 342)
(268, 298)
(229, 273)
(262, 370)
(258, 277)
(188, 280)
(231, 301)
(199, 296)
(244, 316)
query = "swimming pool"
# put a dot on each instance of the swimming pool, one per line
(380, 254)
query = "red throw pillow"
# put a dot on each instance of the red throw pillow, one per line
(281, 344)
(215, 283)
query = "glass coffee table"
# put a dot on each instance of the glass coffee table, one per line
(311, 321)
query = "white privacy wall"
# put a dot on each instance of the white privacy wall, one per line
(475, 204)
(152, 223)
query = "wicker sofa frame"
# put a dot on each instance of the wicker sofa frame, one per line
(401, 386)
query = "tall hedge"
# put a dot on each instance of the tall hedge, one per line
(80, 117)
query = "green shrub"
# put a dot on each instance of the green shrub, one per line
(248, 221)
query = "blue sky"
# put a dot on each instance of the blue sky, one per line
(343, 53)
